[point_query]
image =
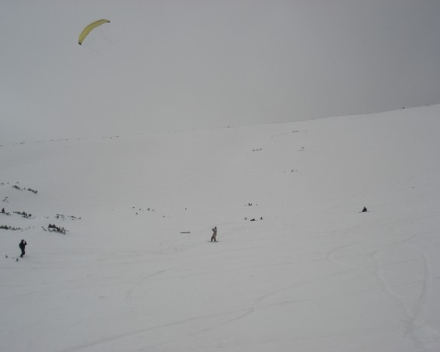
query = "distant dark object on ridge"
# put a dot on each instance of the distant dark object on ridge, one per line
(364, 210)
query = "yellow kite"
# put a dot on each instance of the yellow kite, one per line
(89, 28)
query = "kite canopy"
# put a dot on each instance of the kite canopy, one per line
(89, 28)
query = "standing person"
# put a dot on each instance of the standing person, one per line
(3, 210)
(214, 234)
(22, 246)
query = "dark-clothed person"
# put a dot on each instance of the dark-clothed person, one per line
(214, 234)
(22, 246)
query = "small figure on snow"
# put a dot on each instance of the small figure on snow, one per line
(3, 210)
(22, 246)
(214, 234)
(364, 210)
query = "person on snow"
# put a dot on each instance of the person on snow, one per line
(22, 246)
(214, 234)
(3, 210)
(364, 210)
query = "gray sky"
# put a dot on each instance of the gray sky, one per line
(183, 64)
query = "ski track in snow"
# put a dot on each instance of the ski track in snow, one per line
(129, 293)
(240, 315)
(424, 336)
(416, 326)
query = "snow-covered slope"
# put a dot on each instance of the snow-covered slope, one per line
(135, 271)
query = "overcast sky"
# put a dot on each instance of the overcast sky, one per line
(184, 64)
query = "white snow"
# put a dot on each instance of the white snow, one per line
(135, 271)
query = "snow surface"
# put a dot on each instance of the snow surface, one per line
(135, 271)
